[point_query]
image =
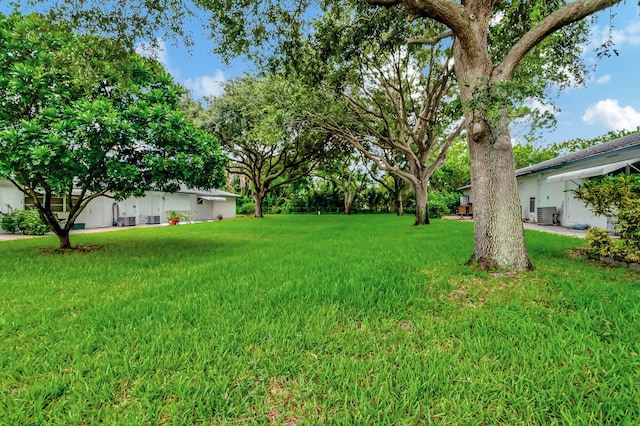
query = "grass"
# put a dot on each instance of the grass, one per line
(312, 319)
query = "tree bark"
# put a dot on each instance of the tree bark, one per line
(258, 197)
(399, 206)
(63, 236)
(499, 241)
(422, 207)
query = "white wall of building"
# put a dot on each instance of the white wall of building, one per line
(225, 208)
(528, 189)
(558, 195)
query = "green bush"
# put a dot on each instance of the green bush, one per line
(247, 208)
(443, 203)
(600, 243)
(25, 222)
(617, 197)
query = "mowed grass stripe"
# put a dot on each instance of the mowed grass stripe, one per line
(309, 319)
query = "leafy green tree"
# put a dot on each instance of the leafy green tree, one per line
(455, 172)
(258, 122)
(527, 154)
(401, 109)
(82, 117)
(348, 171)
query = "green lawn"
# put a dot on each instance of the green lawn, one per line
(312, 319)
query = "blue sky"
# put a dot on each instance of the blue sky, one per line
(609, 101)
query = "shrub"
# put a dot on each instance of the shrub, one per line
(617, 197)
(247, 208)
(25, 222)
(443, 203)
(600, 243)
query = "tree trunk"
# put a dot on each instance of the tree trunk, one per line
(258, 197)
(399, 206)
(348, 201)
(498, 231)
(63, 236)
(422, 212)
(397, 187)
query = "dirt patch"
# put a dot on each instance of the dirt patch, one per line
(578, 253)
(475, 293)
(76, 249)
(283, 402)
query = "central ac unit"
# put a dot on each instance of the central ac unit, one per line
(153, 220)
(127, 220)
(545, 215)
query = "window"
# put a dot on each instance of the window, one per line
(58, 204)
(532, 205)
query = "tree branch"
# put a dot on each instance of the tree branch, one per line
(568, 14)
(430, 41)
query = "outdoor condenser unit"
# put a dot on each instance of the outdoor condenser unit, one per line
(127, 220)
(152, 220)
(545, 215)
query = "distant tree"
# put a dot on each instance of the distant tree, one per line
(527, 154)
(82, 117)
(259, 125)
(576, 144)
(348, 171)
(395, 186)
(455, 172)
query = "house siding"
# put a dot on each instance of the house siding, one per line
(103, 211)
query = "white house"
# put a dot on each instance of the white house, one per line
(545, 188)
(201, 205)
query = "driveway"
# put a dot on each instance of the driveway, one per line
(561, 230)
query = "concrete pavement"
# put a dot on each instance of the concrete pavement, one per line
(552, 229)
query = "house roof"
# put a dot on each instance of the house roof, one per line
(603, 150)
(207, 192)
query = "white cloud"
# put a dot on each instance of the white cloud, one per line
(611, 114)
(206, 85)
(604, 79)
(540, 107)
(156, 50)
(629, 35)
(200, 86)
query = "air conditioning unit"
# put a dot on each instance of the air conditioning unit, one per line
(127, 220)
(545, 215)
(152, 220)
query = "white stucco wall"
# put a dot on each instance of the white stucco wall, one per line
(527, 189)
(226, 208)
(10, 196)
(97, 214)
(558, 195)
(100, 211)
